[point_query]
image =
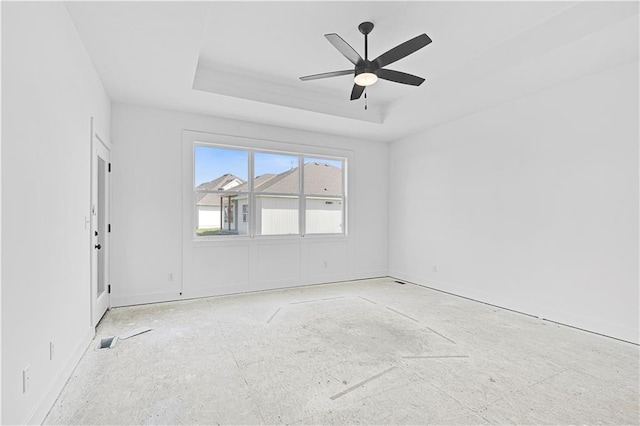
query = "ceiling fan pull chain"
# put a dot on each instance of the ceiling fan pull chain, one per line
(365, 99)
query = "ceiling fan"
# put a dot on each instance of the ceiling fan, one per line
(367, 72)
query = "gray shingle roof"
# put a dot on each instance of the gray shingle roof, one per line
(319, 179)
(208, 199)
(218, 184)
(322, 179)
(259, 180)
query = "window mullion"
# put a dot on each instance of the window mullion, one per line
(344, 197)
(251, 197)
(301, 200)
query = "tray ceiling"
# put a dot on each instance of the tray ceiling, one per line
(243, 60)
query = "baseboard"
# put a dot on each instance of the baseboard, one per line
(369, 275)
(142, 299)
(45, 404)
(591, 325)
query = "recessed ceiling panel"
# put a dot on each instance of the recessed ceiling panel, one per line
(243, 60)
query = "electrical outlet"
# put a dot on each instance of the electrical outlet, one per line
(170, 276)
(325, 263)
(26, 379)
(52, 349)
(435, 269)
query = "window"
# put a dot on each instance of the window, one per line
(253, 192)
(324, 195)
(277, 193)
(220, 183)
(245, 212)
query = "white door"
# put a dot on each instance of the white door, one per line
(100, 169)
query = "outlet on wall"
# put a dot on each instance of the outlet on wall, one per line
(170, 276)
(52, 349)
(435, 269)
(26, 379)
(325, 264)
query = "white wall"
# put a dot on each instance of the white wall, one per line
(148, 173)
(531, 205)
(49, 92)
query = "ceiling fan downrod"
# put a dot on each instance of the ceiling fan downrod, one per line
(365, 28)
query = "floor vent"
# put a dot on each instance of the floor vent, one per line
(107, 342)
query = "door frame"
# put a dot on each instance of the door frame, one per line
(99, 306)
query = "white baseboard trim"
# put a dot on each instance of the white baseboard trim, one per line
(588, 324)
(369, 275)
(49, 398)
(145, 298)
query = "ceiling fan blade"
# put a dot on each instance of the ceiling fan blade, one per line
(326, 75)
(356, 92)
(344, 48)
(400, 77)
(402, 50)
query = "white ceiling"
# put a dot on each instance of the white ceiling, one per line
(243, 60)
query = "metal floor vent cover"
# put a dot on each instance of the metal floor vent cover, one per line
(107, 342)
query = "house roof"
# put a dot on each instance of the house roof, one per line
(258, 181)
(319, 179)
(209, 199)
(223, 183)
(322, 179)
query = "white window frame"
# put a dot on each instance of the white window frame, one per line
(191, 139)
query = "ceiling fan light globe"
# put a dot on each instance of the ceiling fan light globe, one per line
(365, 79)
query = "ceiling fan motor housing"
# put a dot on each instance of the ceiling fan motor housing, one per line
(366, 66)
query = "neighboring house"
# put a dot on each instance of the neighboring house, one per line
(209, 214)
(323, 187)
(241, 202)
(277, 202)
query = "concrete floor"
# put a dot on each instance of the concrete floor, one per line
(364, 352)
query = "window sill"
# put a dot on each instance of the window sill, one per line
(243, 239)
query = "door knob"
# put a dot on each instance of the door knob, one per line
(98, 246)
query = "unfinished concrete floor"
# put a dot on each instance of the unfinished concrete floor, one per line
(364, 352)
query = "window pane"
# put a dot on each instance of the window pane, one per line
(323, 177)
(324, 192)
(222, 213)
(324, 215)
(220, 191)
(219, 169)
(276, 173)
(276, 215)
